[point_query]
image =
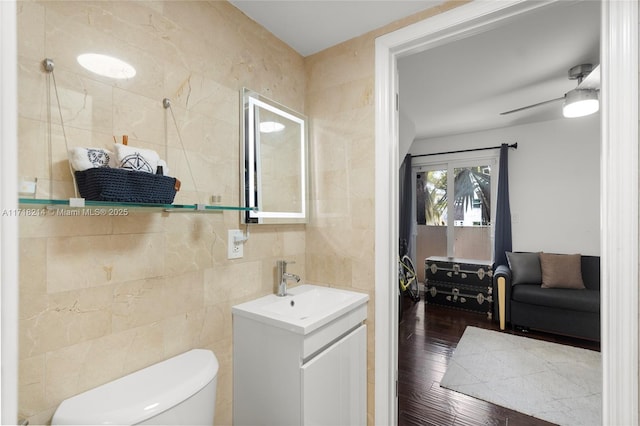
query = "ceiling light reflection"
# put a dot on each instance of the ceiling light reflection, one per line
(106, 66)
(270, 127)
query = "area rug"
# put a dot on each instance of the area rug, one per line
(557, 383)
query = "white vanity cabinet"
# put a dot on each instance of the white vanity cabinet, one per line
(334, 383)
(313, 372)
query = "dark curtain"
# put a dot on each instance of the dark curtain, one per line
(503, 212)
(405, 197)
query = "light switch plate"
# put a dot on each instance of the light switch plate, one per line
(235, 249)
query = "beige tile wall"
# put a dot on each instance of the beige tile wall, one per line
(104, 296)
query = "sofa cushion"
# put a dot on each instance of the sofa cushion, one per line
(561, 271)
(563, 298)
(525, 268)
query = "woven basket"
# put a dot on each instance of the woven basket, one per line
(125, 186)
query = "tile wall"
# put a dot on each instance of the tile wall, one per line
(103, 296)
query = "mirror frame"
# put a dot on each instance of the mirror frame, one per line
(250, 175)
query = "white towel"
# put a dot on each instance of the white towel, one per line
(87, 158)
(143, 160)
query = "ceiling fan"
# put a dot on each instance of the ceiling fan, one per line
(581, 101)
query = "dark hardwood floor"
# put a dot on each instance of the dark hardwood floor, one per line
(426, 341)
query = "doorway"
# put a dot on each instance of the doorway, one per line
(619, 191)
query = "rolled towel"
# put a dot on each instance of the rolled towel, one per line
(87, 158)
(143, 160)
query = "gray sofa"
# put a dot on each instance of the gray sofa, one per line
(557, 308)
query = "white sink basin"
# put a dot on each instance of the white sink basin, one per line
(313, 302)
(304, 309)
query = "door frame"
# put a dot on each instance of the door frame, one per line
(8, 219)
(618, 191)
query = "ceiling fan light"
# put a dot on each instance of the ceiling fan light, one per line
(578, 103)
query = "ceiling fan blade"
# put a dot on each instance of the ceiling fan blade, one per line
(532, 106)
(592, 81)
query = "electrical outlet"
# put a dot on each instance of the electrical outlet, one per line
(235, 249)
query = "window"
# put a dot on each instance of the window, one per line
(458, 225)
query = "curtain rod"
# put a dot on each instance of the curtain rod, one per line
(514, 146)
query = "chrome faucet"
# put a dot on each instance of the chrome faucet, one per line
(283, 276)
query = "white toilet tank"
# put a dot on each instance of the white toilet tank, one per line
(178, 391)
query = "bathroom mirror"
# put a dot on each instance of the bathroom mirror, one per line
(274, 169)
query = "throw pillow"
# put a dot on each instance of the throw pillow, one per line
(561, 271)
(525, 268)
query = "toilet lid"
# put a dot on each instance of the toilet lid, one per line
(143, 394)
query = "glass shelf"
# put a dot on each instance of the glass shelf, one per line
(79, 203)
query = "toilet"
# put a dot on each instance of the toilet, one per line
(178, 391)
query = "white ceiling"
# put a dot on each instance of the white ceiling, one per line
(310, 26)
(462, 86)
